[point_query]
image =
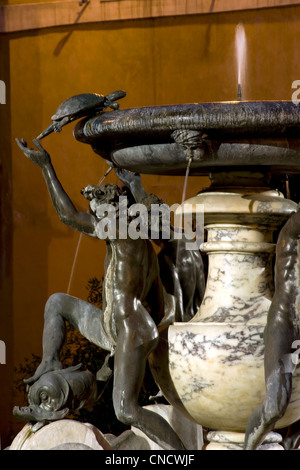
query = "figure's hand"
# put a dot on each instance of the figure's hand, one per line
(128, 177)
(40, 157)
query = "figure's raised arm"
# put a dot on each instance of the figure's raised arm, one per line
(133, 182)
(68, 214)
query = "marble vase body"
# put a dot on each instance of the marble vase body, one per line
(212, 368)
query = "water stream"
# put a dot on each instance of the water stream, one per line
(80, 239)
(241, 57)
(179, 227)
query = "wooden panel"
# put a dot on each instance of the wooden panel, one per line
(20, 17)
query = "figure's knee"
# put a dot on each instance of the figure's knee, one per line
(126, 413)
(125, 403)
(54, 304)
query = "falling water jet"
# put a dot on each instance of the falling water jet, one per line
(105, 175)
(74, 264)
(186, 178)
(241, 46)
(183, 199)
(80, 238)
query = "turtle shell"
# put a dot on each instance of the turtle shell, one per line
(78, 104)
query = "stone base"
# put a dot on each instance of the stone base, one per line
(65, 434)
(222, 440)
(68, 434)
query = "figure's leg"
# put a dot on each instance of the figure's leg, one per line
(279, 336)
(264, 418)
(85, 317)
(170, 280)
(129, 368)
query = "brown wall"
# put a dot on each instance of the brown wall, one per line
(161, 61)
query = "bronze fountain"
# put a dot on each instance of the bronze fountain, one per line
(231, 366)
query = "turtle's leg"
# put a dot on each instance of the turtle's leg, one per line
(110, 100)
(114, 105)
(110, 104)
(59, 124)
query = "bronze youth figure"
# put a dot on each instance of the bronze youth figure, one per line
(125, 326)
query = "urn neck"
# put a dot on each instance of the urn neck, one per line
(240, 225)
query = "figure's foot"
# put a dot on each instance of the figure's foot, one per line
(45, 366)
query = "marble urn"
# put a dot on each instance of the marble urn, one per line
(212, 367)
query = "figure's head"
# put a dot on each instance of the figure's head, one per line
(110, 202)
(104, 194)
(107, 193)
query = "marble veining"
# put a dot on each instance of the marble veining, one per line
(239, 288)
(233, 343)
(217, 372)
